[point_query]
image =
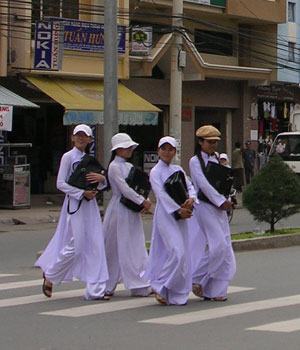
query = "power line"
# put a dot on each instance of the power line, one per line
(209, 24)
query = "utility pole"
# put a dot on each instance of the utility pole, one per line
(110, 75)
(3, 38)
(176, 78)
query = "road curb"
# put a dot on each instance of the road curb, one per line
(271, 242)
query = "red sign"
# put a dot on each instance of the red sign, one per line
(6, 117)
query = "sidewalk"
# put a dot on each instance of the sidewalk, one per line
(45, 208)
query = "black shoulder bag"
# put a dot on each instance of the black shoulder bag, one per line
(138, 180)
(219, 176)
(176, 187)
(88, 164)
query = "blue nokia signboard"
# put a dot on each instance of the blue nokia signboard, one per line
(48, 40)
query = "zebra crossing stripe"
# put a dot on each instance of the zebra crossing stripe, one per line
(21, 284)
(225, 311)
(96, 308)
(39, 298)
(281, 327)
(8, 275)
(112, 306)
(236, 289)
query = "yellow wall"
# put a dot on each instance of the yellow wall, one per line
(258, 10)
(74, 62)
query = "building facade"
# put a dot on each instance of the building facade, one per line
(52, 53)
(228, 59)
(231, 59)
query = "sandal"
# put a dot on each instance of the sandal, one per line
(47, 287)
(219, 299)
(108, 294)
(105, 298)
(215, 299)
(197, 290)
(161, 300)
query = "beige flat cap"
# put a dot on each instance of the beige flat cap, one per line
(208, 132)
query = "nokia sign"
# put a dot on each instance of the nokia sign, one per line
(48, 44)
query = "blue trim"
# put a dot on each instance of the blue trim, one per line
(73, 117)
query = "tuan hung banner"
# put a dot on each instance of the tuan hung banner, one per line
(6, 117)
(48, 43)
(88, 36)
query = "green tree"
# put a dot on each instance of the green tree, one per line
(274, 193)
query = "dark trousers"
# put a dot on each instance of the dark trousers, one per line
(238, 178)
(249, 172)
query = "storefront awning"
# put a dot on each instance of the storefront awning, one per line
(84, 101)
(9, 98)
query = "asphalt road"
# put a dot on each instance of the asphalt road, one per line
(262, 311)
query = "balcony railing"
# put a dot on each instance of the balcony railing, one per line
(219, 3)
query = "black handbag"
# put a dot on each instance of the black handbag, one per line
(87, 165)
(138, 180)
(176, 187)
(78, 179)
(219, 176)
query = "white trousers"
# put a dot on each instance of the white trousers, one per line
(56, 273)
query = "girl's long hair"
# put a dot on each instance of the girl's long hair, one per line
(198, 146)
(87, 148)
(113, 155)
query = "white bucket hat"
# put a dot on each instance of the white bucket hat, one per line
(122, 140)
(223, 156)
(167, 139)
(84, 128)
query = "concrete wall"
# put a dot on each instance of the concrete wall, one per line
(289, 32)
(270, 11)
(219, 96)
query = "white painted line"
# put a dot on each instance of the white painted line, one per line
(231, 290)
(236, 289)
(225, 311)
(111, 306)
(22, 284)
(39, 298)
(8, 275)
(282, 327)
(102, 307)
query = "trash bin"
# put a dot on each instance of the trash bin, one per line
(15, 186)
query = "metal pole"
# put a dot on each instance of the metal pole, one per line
(3, 38)
(176, 78)
(110, 75)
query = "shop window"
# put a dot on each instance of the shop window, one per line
(291, 52)
(287, 147)
(157, 73)
(54, 8)
(291, 12)
(216, 43)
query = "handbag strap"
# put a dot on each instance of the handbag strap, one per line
(200, 194)
(78, 207)
(202, 164)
